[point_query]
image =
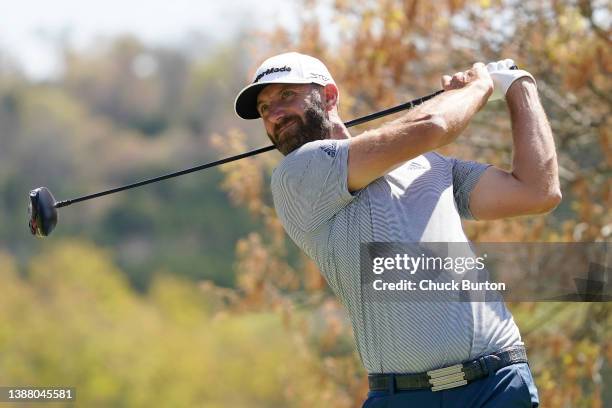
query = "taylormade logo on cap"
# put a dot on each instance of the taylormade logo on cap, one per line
(287, 68)
(292, 66)
(271, 71)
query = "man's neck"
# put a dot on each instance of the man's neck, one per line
(339, 131)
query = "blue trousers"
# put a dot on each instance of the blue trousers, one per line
(509, 387)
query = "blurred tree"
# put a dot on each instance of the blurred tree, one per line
(91, 129)
(136, 87)
(71, 319)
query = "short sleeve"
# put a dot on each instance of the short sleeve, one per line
(465, 176)
(310, 185)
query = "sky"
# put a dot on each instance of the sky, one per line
(29, 29)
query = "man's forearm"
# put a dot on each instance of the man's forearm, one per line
(534, 156)
(434, 124)
(455, 107)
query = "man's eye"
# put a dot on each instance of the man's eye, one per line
(263, 109)
(287, 93)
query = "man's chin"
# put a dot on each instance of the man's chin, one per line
(286, 148)
(290, 141)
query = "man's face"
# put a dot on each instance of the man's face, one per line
(293, 115)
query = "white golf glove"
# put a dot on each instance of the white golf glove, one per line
(503, 77)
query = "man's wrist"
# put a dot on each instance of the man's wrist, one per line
(520, 88)
(480, 89)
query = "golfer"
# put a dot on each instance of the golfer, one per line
(334, 191)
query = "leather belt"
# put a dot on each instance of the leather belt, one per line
(450, 377)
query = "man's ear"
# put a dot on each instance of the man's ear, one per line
(330, 93)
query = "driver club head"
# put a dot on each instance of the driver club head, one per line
(43, 214)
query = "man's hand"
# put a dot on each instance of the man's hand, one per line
(478, 73)
(503, 77)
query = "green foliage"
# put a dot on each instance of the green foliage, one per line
(73, 320)
(86, 132)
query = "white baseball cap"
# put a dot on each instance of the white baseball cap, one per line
(287, 68)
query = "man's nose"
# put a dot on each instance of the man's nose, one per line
(276, 113)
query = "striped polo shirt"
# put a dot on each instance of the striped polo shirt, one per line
(421, 201)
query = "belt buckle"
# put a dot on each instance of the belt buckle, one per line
(447, 377)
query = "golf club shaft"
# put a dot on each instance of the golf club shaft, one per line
(354, 122)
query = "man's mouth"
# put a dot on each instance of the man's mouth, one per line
(285, 127)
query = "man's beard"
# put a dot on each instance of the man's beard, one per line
(315, 126)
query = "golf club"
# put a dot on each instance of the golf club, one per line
(43, 207)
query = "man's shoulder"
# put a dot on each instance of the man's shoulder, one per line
(296, 161)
